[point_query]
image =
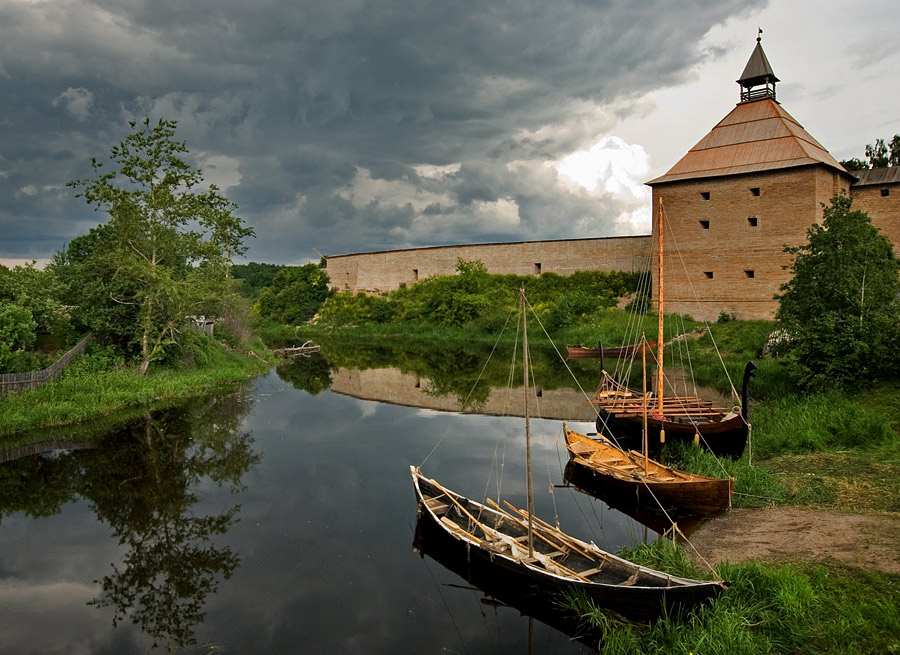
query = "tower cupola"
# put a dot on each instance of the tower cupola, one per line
(758, 79)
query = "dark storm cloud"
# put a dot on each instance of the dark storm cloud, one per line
(318, 117)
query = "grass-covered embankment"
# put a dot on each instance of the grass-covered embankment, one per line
(90, 388)
(768, 608)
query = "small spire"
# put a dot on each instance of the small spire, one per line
(757, 72)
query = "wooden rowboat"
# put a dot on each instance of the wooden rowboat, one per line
(720, 430)
(633, 474)
(495, 538)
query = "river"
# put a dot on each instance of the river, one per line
(280, 518)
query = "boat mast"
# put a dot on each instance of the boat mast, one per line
(644, 369)
(527, 424)
(661, 337)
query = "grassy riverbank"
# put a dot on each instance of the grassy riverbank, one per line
(768, 608)
(88, 389)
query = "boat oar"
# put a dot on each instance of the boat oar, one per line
(557, 546)
(569, 541)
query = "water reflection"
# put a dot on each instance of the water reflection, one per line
(141, 481)
(469, 379)
(492, 593)
(182, 529)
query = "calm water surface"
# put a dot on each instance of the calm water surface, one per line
(276, 519)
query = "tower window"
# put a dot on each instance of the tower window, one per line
(704, 195)
(415, 274)
(754, 191)
(885, 193)
(752, 221)
(708, 274)
(704, 225)
(537, 268)
(750, 273)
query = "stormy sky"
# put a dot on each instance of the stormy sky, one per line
(355, 125)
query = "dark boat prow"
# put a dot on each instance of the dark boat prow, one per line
(749, 372)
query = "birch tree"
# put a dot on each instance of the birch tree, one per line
(168, 244)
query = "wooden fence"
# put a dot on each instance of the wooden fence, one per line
(33, 379)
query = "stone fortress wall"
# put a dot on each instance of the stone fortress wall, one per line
(376, 272)
(753, 185)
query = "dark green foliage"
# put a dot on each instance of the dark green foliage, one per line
(28, 306)
(786, 608)
(295, 295)
(166, 251)
(841, 307)
(854, 164)
(881, 155)
(878, 155)
(311, 374)
(473, 297)
(254, 277)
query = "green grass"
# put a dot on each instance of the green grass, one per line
(83, 392)
(788, 608)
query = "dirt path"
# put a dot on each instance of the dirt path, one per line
(796, 534)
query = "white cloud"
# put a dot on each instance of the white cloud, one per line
(221, 170)
(611, 164)
(76, 102)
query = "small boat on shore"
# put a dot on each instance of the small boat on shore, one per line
(496, 540)
(600, 352)
(633, 474)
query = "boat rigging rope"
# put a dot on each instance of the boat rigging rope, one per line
(566, 364)
(471, 391)
(697, 300)
(674, 527)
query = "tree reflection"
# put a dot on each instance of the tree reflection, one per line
(142, 483)
(310, 374)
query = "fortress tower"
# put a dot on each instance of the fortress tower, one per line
(754, 184)
(750, 187)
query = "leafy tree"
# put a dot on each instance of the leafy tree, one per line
(878, 155)
(254, 277)
(167, 248)
(296, 294)
(841, 307)
(855, 164)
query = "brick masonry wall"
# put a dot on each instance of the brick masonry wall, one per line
(384, 271)
(884, 210)
(728, 253)
(715, 236)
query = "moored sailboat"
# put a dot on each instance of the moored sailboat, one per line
(620, 417)
(516, 545)
(633, 474)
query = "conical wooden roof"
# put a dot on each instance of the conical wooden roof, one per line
(758, 69)
(755, 136)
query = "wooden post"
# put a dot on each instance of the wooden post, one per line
(527, 423)
(661, 336)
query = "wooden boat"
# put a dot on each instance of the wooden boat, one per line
(723, 431)
(720, 430)
(633, 474)
(601, 352)
(649, 514)
(557, 562)
(481, 578)
(517, 545)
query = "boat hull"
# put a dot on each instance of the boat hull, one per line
(649, 514)
(654, 594)
(664, 487)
